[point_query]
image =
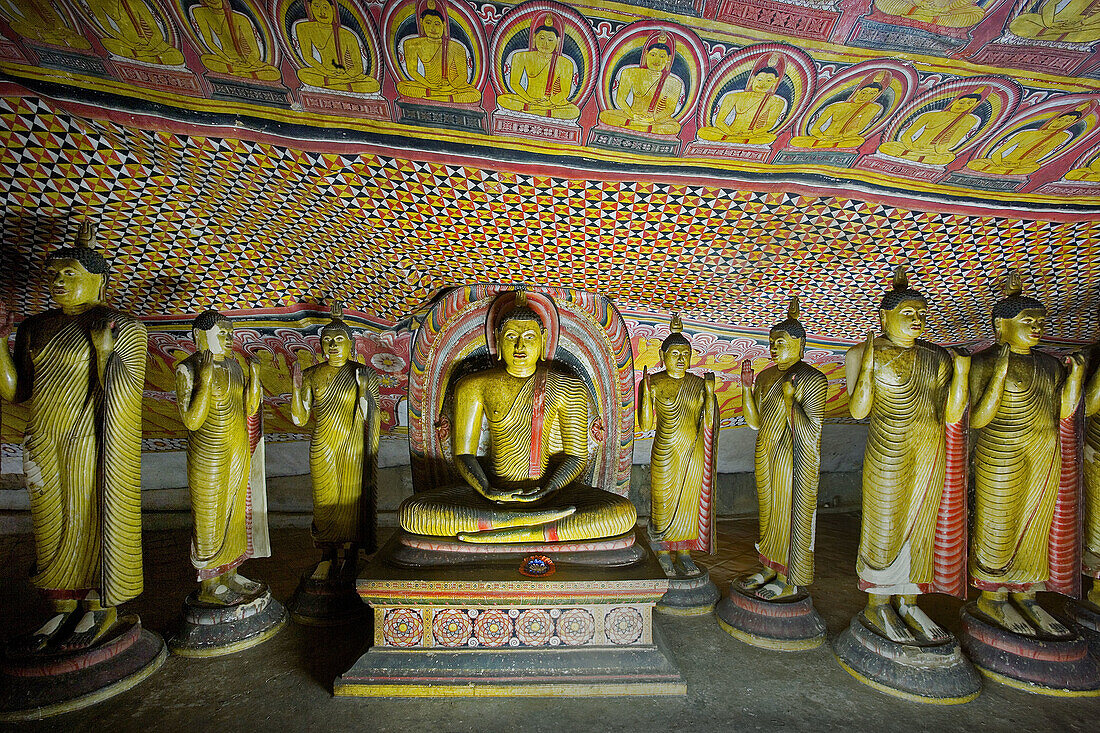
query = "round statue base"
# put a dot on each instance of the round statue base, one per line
(1087, 618)
(37, 686)
(694, 595)
(787, 625)
(1056, 667)
(210, 630)
(331, 601)
(938, 674)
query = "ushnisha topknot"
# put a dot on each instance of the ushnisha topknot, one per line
(1014, 303)
(83, 252)
(675, 336)
(900, 292)
(336, 324)
(521, 312)
(206, 320)
(791, 326)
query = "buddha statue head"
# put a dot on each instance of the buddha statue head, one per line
(676, 349)
(903, 312)
(787, 339)
(337, 341)
(1017, 319)
(521, 338)
(658, 51)
(213, 332)
(546, 36)
(78, 275)
(966, 102)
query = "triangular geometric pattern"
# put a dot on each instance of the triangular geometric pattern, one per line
(191, 222)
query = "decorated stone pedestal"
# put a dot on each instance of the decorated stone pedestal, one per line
(34, 686)
(1087, 619)
(327, 599)
(1060, 667)
(514, 622)
(210, 630)
(695, 595)
(788, 625)
(929, 673)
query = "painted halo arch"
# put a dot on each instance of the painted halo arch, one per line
(902, 81)
(625, 49)
(516, 21)
(798, 77)
(1000, 98)
(164, 22)
(1087, 104)
(365, 31)
(397, 16)
(257, 15)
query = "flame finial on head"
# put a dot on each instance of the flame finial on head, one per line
(1014, 284)
(676, 325)
(336, 309)
(792, 308)
(901, 279)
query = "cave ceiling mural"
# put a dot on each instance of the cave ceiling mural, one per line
(711, 157)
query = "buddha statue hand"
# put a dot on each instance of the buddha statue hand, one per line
(1076, 363)
(747, 375)
(103, 334)
(206, 367)
(788, 391)
(961, 360)
(296, 374)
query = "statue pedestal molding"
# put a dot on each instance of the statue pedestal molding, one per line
(689, 596)
(44, 684)
(1087, 619)
(512, 625)
(329, 601)
(935, 673)
(788, 625)
(211, 631)
(1058, 667)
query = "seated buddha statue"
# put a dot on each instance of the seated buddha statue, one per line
(333, 56)
(231, 42)
(1090, 172)
(541, 78)
(39, 20)
(436, 63)
(841, 124)
(1023, 151)
(527, 489)
(946, 13)
(748, 116)
(932, 136)
(648, 95)
(132, 32)
(1065, 21)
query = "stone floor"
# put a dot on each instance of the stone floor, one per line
(286, 684)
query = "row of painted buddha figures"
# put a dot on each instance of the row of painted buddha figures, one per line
(80, 368)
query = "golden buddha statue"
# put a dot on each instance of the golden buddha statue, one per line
(435, 63)
(541, 78)
(333, 56)
(932, 136)
(946, 13)
(1023, 151)
(231, 42)
(787, 406)
(648, 95)
(1089, 173)
(537, 418)
(841, 124)
(748, 116)
(80, 368)
(39, 20)
(683, 412)
(131, 31)
(1060, 21)
(1018, 395)
(1091, 529)
(217, 401)
(911, 389)
(343, 396)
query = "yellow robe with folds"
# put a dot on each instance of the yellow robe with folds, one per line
(340, 457)
(1017, 469)
(82, 451)
(903, 475)
(788, 460)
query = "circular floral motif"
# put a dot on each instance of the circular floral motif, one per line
(402, 627)
(623, 625)
(451, 627)
(534, 627)
(387, 362)
(576, 626)
(493, 628)
(536, 566)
